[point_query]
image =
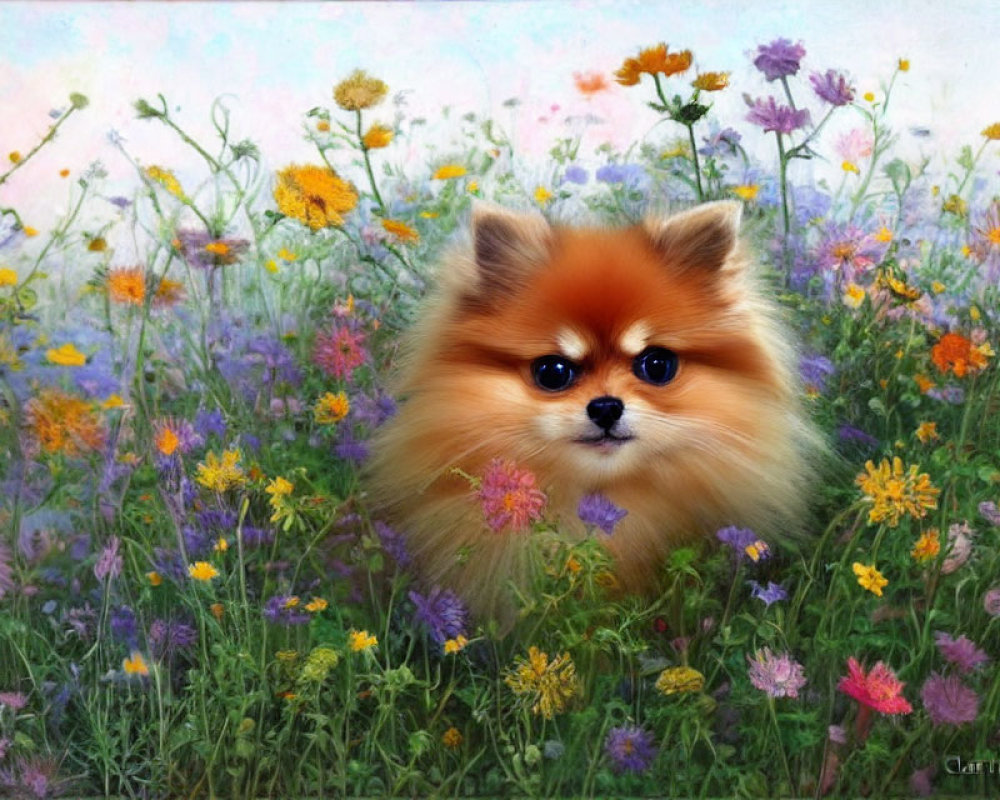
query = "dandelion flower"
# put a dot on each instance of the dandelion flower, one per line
(949, 701)
(653, 61)
(135, 664)
(202, 571)
(680, 680)
(315, 196)
(927, 546)
(630, 748)
(448, 171)
(878, 689)
(549, 685)
(452, 738)
(7, 277)
(870, 578)
(221, 473)
(776, 675)
(66, 355)
(359, 641)
(894, 491)
(359, 90)
(62, 423)
(509, 497)
(542, 195)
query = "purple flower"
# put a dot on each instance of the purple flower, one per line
(630, 748)
(202, 250)
(15, 701)
(166, 637)
(442, 612)
(962, 652)
(621, 173)
(848, 433)
(575, 174)
(720, 141)
(920, 781)
(109, 563)
(599, 511)
(837, 734)
(776, 675)
(207, 422)
(394, 543)
(36, 776)
(949, 701)
(832, 87)
(779, 59)
(815, 369)
(773, 117)
(988, 510)
(283, 609)
(953, 395)
(771, 594)
(123, 626)
(744, 542)
(349, 448)
(991, 602)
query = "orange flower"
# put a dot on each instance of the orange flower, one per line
(63, 423)
(957, 354)
(652, 61)
(590, 83)
(401, 230)
(711, 81)
(377, 136)
(168, 293)
(127, 285)
(927, 546)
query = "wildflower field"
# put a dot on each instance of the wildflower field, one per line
(196, 601)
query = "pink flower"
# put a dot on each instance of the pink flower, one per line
(15, 701)
(339, 350)
(854, 145)
(949, 701)
(509, 497)
(776, 675)
(109, 563)
(991, 602)
(959, 547)
(879, 689)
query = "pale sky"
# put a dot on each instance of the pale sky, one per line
(274, 61)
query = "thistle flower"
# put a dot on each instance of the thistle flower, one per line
(988, 511)
(832, 87)
(894, 492)
(442, 612)
(653, 61)
(127, 285)
(680, 680)
(630, 748)
(359, 90)
(509, 498)
(110, 562)
(776, 675)
(773, 117)
(779, 59)
(948, 701)
(962, 652)
(15, 701)
(598, 511)
(878, 689)
(315, 196)
(548, 685)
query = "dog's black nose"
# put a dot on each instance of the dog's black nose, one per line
(605, 411)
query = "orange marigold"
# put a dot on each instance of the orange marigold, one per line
(127, 285)
(954, 353)
(653, 61)
(63, 423)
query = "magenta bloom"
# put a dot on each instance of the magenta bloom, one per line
(15, 701)
(879, 689)
(509, 497)
(599, 511)
(988, 510)
(630, 748)
(832, 87)
(776, 675)
(991, 602)
(949, 701)
(339, 350)
(773, 117)
(962, 652)
(779, 59)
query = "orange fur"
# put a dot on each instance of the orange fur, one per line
(725, 442)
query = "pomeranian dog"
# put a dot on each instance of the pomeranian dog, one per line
(641, 364)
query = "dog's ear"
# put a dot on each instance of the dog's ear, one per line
(703, 237)
(507, 247)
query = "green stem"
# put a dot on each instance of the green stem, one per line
(44, 141)
(368, 165)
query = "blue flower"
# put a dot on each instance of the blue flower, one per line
(575, 174)
(442, 612)
(772, 593)
(599, 511)
(630, 748)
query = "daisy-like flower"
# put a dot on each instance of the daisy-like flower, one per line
(221, 473)
(957, 354)
(832, 87)
(509, 497)
(135, 664)
(777, 118)
(854, 295)
(598, 511)
(895, 491)
(630, 748)
(331, 408)
(8, 277)
(448, 171)
(878, 689)
(65, 355)
(680, 680)
(62, 423)
(711, 81)
(402, 231)
(359, 90)
(590, 83)
(339, 350)
(316, 605)
(779, 59)
(204, 251)
(653, 61)
(962, 652)
(746, 192)
(127, 285)
(315, 196)
(548, 685)
(949, 701)
(376, 137)
(870, 578)
(202, 571)
(927, 546)
(172, 435)
(776, 675)
(360, 641)
(452, 738)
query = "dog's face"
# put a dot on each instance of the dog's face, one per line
(600, 355)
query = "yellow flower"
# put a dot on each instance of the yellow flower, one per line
(202, 571)
(127, 285)
(452, 738)
(361, 640)
(291, 602)
(883, 235)
(154, 578)
(271, 266)
(97, 245)
(331, 408)
(7, 277)
(323, 125)
(870, 578)
(711, 81)
(757, 550)
(359, 90)
(221, 546)
(221, 474)
(974, 313)
(319, 663)
(854, 295)
(167, 180)
(315, 196)
(376, 137)
(401, 230)
(14, 156)
(869, 96)
(894, 492)
(904, 65)
(955, 205)
(429, 214)
(135, 664)
(167, 441)
(542, 195)
(472, 187)
(992, 131)
(66, 356)
(29, 231)
(850, 166)
(927, 546)
(550, 684)
(747, 191)
(286, 255)
(452, 646)
(927, 431)
(316, 605)
(447, 171)
(279, 487)
(679, 149)
(937, 287)
(680, 680)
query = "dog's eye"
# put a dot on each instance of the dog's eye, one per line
(655, 365)
(553, 373)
